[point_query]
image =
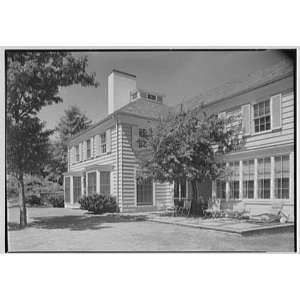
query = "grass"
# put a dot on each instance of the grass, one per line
(61, 229)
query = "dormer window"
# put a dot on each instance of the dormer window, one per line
(262, 116)
(151, 97)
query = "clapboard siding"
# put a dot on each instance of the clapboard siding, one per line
(163, 195)
(105, 159)
(283, 136)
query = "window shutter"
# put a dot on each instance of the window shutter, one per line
(92, 146)
(246, 119)
(108, 141)
(84, 151)
(276, 111)
(97, 144)
(72, 155)
(135, 136)
(80, 151)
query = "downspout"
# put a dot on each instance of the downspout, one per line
(117, 128)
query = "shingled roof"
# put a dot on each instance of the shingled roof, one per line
(230, 89)
(144, 108)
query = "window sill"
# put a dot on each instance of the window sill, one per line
(263, 132)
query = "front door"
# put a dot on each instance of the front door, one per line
(144, 192)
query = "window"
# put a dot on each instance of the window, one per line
(105, 183)
(248, 179)
(67, 189)
(76, 188)
(77, 153)
(88, 149)
(144, 191)
(234, 183)
(180, 189)
(159, 99)
(103, 142)
(133, 95)
(142, 136)
(282, 175)
(221, 189)
(263, 177)
(92, 183)
(151, 97)
(262, 116)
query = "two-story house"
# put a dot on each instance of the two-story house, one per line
(103, 159)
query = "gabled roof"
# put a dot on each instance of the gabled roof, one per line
(140, 108)
(230, 89)
(144, 108)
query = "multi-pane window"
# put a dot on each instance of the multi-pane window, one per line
(103, 142)
(221, 189)
(282, 174)
(262, 116)
(76, 188)
(248, 179)
(91, 183)
(234, 183)
(105, 183)
(263, 177)
(88, 149)
(67, 189)
(142, 136)
(144, 191)
(180, 190)
(77, 153)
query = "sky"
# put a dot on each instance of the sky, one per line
(179, 75)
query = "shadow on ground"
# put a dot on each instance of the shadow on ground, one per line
(84, 222)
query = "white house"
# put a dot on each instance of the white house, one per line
(103, 159)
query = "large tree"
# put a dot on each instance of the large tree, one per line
(72, 122)
(189, 145)
(33, 81)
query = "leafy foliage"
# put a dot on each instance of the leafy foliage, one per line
(33, 81)
(189, 145)
(98, 204)
(73, 122)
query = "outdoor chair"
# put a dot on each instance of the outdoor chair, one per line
(214, 209)
(275, 214)
(175, 208)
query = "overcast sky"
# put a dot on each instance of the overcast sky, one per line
(178, 75)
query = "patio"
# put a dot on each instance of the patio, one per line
(230, 225)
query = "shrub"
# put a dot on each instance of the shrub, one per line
(57, 201)
(34, 200)
(98, 204)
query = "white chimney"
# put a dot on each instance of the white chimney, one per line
(120, 84)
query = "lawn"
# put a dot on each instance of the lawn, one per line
(61, 229)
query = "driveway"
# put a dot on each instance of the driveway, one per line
(61, 229)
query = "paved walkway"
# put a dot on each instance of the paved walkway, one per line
(60, 229)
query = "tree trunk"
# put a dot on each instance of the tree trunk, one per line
(22, 202)
(195, 196)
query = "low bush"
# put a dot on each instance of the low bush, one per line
(98, 204)
(57, 201)
(34, 200)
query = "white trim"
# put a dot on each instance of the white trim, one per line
(153, 193)
(135, 187)
(71, 191)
